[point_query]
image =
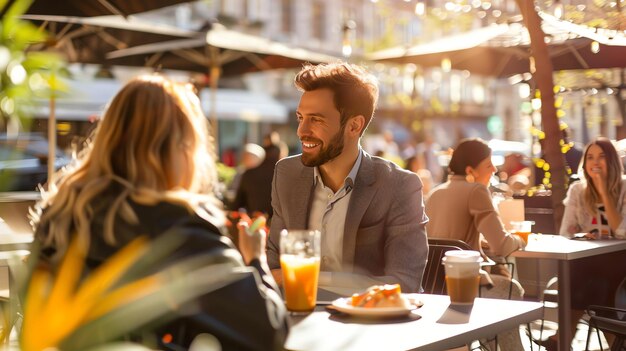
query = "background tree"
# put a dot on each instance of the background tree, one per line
(549, 121)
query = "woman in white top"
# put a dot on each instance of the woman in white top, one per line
(596, 204)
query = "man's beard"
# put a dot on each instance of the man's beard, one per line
(328, 153)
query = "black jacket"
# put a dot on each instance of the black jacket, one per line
(244, 315)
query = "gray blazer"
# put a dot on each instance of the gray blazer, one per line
(384, 236)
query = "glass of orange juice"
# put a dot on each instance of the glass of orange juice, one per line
(522, 229)
(300, 263)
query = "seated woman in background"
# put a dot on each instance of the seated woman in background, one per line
(417, 165)
(462, 209)
(149, 169)
(595, 206)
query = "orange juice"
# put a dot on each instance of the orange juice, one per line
(300, 275)
(523, 235)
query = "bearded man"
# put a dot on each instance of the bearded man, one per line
(369, 210)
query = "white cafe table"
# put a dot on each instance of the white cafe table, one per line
(565, 250)
(434, 326)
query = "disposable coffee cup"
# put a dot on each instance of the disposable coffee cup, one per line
(462, 275)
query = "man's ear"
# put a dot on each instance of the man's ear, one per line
(356, 125)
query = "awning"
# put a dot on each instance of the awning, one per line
(86, 100)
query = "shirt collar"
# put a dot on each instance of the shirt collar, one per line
(349, 181)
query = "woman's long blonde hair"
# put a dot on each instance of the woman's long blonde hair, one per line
(149, 128)
(615, 169)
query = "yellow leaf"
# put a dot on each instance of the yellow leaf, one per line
(125, 295)
(67, 278)
(107, 274)
(34, 335)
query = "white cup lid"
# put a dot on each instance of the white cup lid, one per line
(462, 256)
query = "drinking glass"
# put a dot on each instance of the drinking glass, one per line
(300, 263)
(522, 229)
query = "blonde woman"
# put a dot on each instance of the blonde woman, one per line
(149, 168)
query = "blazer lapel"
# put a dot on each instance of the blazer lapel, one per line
(360, 200)
(300, 198)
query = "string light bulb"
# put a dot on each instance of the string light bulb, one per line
(420, 8)
(558, 9)
(348, 27)
(595, 47)
(446, 65)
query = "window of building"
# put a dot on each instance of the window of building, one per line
(318, 19)
(286, 16)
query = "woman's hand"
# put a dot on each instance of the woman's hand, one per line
(251, 242)
(599, 181)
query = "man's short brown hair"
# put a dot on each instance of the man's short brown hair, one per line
(355, 90)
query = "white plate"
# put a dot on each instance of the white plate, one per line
(343, 305)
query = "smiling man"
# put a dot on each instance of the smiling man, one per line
(369, 210)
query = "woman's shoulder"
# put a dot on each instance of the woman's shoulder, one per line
(577, 187)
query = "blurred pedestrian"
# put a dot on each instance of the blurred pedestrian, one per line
(429, 151)
(255, 189)
(251, 156)
(369, 210)
(416, 165)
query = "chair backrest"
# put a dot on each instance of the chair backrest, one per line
(434, 279)
(460, 244)
(620, 295)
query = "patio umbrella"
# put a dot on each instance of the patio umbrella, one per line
(88, 39)
(483, 52)
(219, 51)
(90, 8)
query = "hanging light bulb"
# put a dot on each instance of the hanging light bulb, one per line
(558, 9)
(346, 49)
(595, 47)
(420, 8)
(446, 65)
(348, 28)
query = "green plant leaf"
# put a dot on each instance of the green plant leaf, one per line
(180, 289)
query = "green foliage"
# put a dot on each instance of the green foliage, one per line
(225, 174)
(24, 75)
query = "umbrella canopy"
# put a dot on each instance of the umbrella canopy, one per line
(218, 52)
(89, 8)
(136, 42)
(483, 52)
(88, 39)
(237, 53)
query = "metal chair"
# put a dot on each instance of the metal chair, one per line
(459, 244)
(434, 279)
(610, 320)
